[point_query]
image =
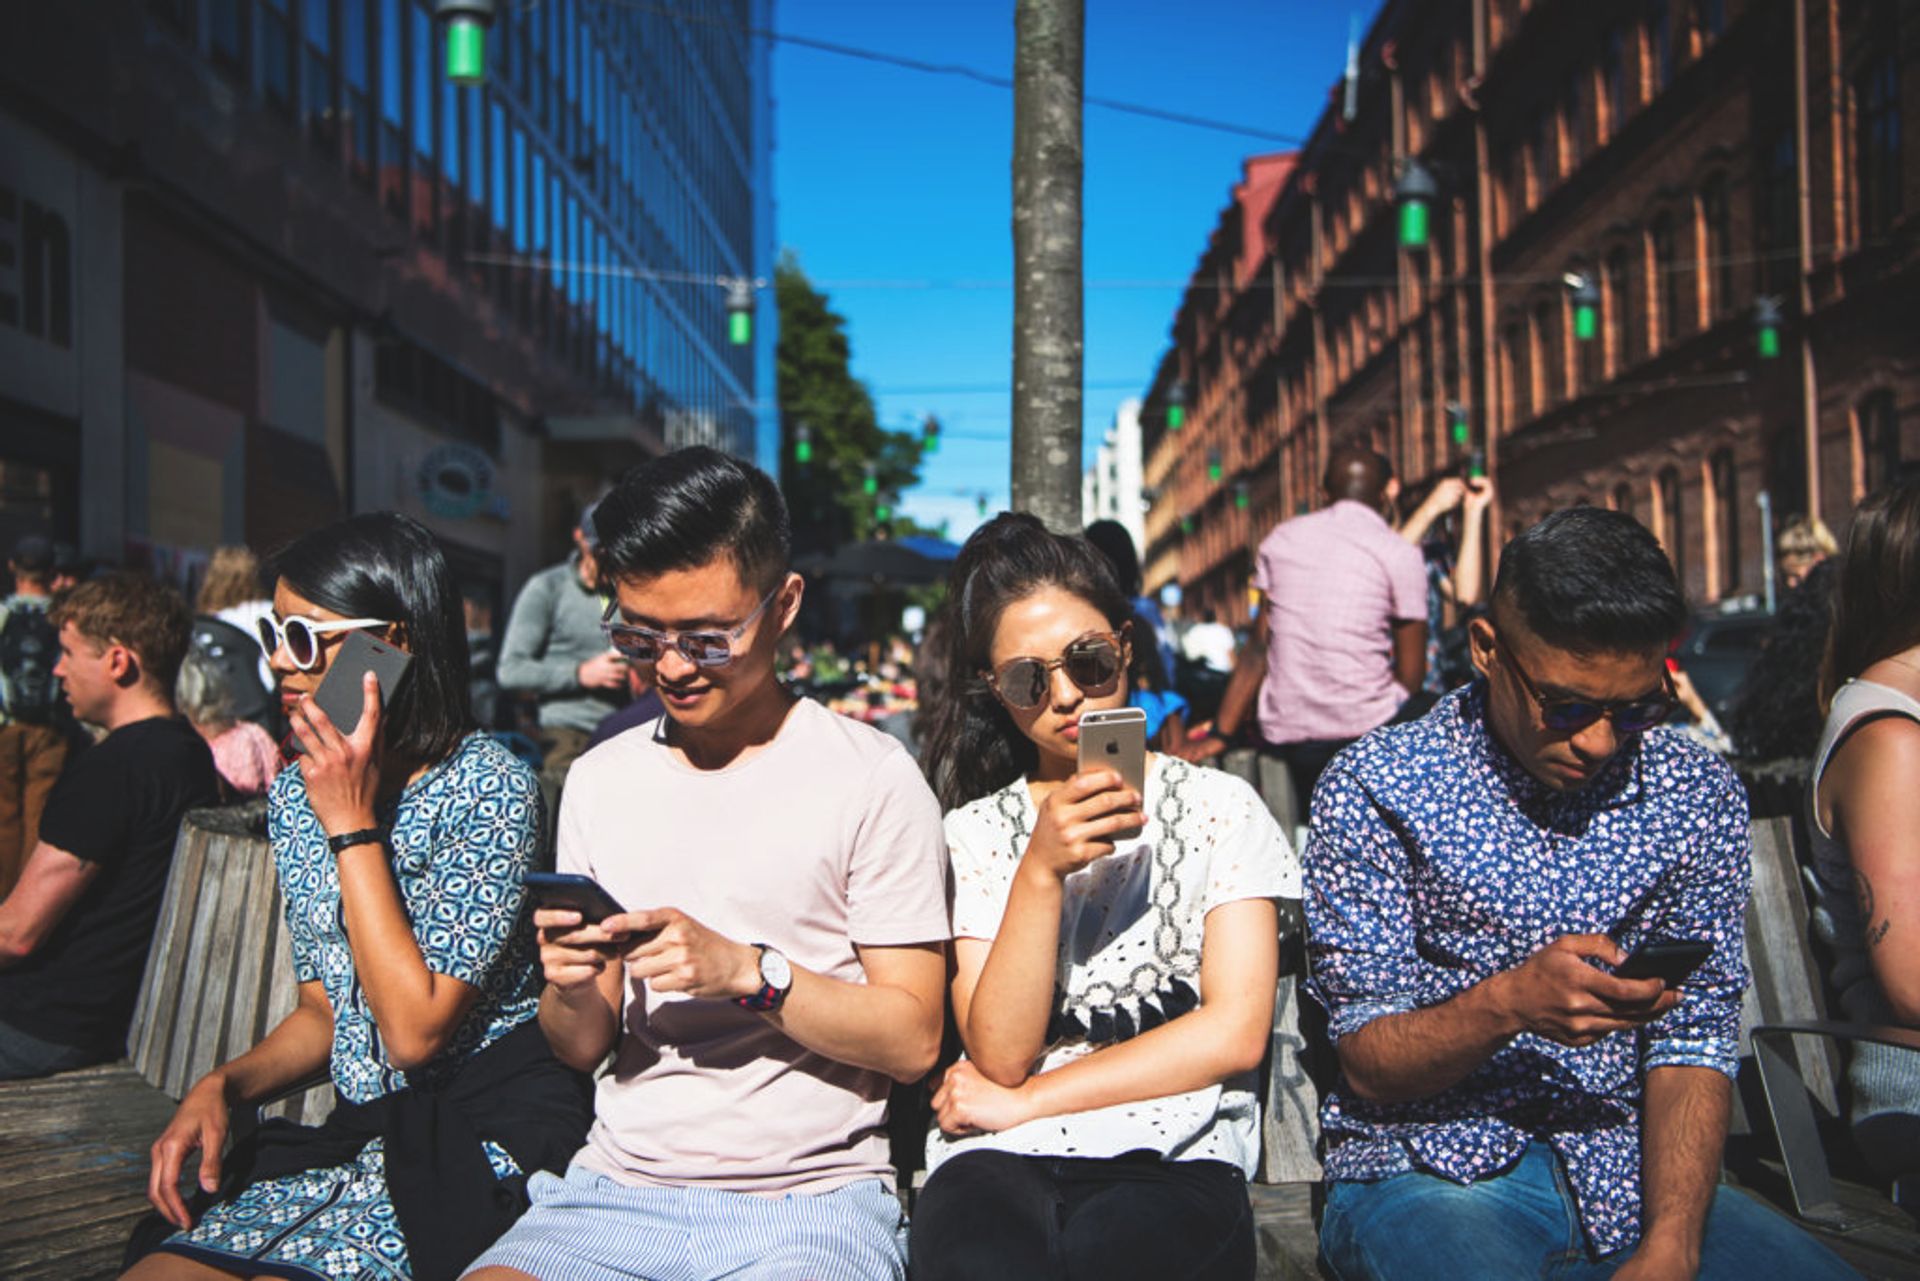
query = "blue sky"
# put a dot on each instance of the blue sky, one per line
(894, 187)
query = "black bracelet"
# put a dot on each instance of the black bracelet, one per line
(365, 836)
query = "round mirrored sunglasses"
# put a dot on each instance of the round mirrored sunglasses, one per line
(1093, 663)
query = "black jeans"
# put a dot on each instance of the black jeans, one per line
(995, 1214)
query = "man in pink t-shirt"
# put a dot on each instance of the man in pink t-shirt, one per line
(781, 958)
(1339, 640)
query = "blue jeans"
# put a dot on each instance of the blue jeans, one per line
(1524, 1223)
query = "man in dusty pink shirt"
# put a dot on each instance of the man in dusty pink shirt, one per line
(781, 957)
(1339, 640)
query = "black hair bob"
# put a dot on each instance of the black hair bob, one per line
(682, 509)
(1588, 581)
(973, 746)
(385, 565)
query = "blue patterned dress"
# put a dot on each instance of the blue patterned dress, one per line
(462, 835)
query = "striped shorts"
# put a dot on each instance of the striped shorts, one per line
(588, 1227)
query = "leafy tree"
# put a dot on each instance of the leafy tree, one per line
(818, 393)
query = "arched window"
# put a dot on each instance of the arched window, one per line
(1725, 479)
(1659, 51)
(1877, 426)
(1616, 289)
(1716, 225)
(1671, 523)
(1664, 324)
(1544, 355)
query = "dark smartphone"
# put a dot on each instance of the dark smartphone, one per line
(1669, 960)
(572, 892)
(340, 695)
(1117, 739)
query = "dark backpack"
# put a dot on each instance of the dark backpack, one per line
(237, 655)
(29, 648)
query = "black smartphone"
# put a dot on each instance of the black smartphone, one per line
(340, 695)
(1669, 960)
(570, 891)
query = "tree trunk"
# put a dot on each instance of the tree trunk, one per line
(1049, 65)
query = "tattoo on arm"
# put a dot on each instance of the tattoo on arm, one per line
(1863, 889)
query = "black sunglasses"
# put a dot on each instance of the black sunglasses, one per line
(1571, 715)
(1094, 663)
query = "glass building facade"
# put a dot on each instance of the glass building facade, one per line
(601, 186)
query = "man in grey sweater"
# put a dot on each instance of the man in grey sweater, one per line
(554, 649)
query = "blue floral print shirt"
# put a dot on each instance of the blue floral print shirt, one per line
(460, 837)
(1435, 861)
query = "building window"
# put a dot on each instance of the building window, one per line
(1877, 147)
(1877, 425)
(318, 102)
(1616, 298)
(276, 55)
(1540, 159)
(1613, 83)
(1545, 357)
(1574, 123)
(356, 61)
(1779, 213)
(1671, 522)
(1664, 326)
(1622, 500)
(1659, 47)
(1716, 227)
(1726, 509)
(227, 37)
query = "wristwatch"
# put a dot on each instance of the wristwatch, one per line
(776, 980)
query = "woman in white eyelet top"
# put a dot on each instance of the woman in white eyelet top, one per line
(1114, 993)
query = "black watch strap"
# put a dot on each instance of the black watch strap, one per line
(365, 836)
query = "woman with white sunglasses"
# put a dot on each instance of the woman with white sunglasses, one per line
(400, 849)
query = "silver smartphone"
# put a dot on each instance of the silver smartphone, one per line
(1117, 740)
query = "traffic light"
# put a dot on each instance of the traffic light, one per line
(980, 505)
(1767, 320)
(930, 435)
(1241, 495)
(1186, 524)
(802, 445)
(870, 484)
(1213, 465)
(1176, 406)
(739, 312)
(467, 22)
(1586, 305)
(1414, 192)
(882, 514)
(1459, 425)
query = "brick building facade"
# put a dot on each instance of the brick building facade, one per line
(1688, 158)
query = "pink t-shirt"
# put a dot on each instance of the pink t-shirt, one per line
(1335, 582)
(826, 837)
(247, 757)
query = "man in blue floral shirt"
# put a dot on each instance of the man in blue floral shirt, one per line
(1507, 1105)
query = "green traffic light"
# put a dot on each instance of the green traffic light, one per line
(1176, 415)
(740, 328)
(1414, 224)
(1241, 498)
(1769, 343)
(871, 485)
(466, 51)
(1586, 322)
(803, 452)
(883, 513)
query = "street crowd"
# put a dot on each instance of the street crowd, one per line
(678, 1063)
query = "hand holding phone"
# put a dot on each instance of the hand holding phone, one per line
(1671, 961)
(342, 694)
(1116, 739)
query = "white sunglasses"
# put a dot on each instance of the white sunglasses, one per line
(302, 636)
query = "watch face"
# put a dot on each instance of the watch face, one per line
(774, 970)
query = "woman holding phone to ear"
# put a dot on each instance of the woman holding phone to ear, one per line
(400, 849)
(1114, 996)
